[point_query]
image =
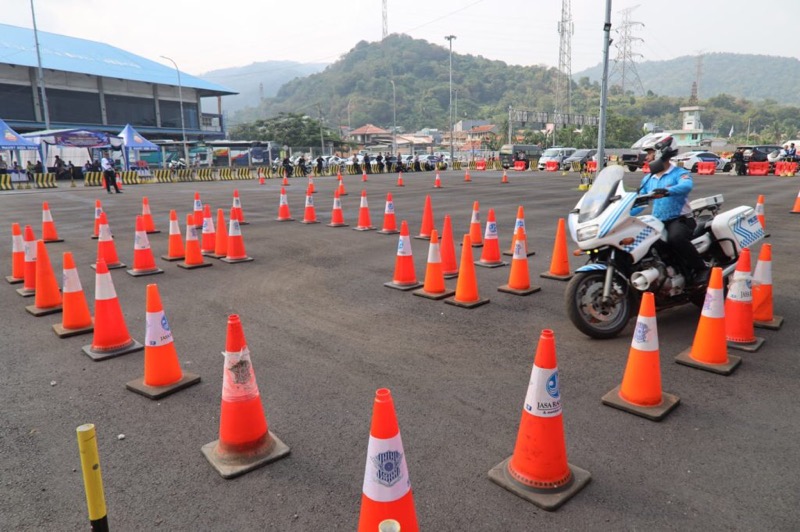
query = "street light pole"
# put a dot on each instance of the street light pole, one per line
(601, 128)
(394, 118)
(39, 71)
(180, 103)
(450, 110)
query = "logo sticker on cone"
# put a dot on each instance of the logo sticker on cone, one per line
(405, 278)
(364, 220)
(519, 228)
(49, 231)
(763, 314)
(427, 221)
(448, 249)
(193, 258)
(176, 250)
(98, 210)
(538, 470)
(47, 297)
(236, 251)
(197, 219)
(17, 256)
(559, 264)
(490, 255)
(519, 279)
(739, 329)
(467, 287)
(143, 261)
(147, 216)
(283, 208)
(208, 238)
(29, 267)
(434, 287)
(106, 248)
(389, 218)
(75, 318)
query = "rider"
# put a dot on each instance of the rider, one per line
(670, 187)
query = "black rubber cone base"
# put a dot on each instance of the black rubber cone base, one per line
(157, 392)
(234, 261)
(24, 292)
(466, 304)
(381, 232)
(53, 241)
(284, 219)
(153, 232)
(431, 295)
(36, 311)
(750, 347)
(451, 275)
(103, 355)
(194, 266)
(171, 259)
(95, 237)
(511, 253)
(653, 413)
(142, 273)
(490, 264)
(62, 332)
(364, 228)
(337, 225)
(549, 500)
(116, 266)
(233, 466)
(508, 290)
(403, 287)
(548, 275)
(773, 325)
(13, 280)
(422, 237)
(720, 369)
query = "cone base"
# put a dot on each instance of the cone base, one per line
(403, 287)
(544, 499)
(517, 292)
(309, 221)
(653, 413)
(142, 273)
(216, 256)
(157, 392)
(338, 225)
(773, 325)
(241, 222)
(436, 296)
(36, 311)
(63, 332)
(727, 368)
(548, 275)
(193, 266)
(451, 275)
(236, 260)
(490, 264)
(381, 232)
(103, 355)
(115, 266)
(474, 245)
(284, 219)
(171, 259)
(153, 232)
(94, 237)
(511, 254)
(53, 241)
(364, 228)
(466, 304)
(24, 292)
(748, 347)
(422, 237)
(13, 280)
(259, 457)
(206, 253)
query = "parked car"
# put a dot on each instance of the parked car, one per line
(691, 158)
(557, 154)
(762, 152)
(581, 156)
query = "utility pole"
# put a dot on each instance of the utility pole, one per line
(601, 128)
(40, 72)
(450, 110)
(564, 78)
(625, 62)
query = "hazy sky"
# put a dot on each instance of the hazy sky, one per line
(239, 32)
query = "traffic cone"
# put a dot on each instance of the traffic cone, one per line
(427, 221)
(221, 242)
(475, 235)
(538, 470)
(467, 287)
(118, 180)
(192, 257)
(208, 240)
(519, 227)
(760, 211)
(467, 177)
(283, 208)
(17, 256)
(197, 219)
(519, 279)
(310, 213)
(47, 299)
(143, 261)
(261, 180)
(29, 267)
(434, 287)
(106, 248)
(363, 176)
(236, 251)
(176, 250)
(147, 216)
(245, 442)
(386, 492)
(389, 221)
(404, 276)
(337, 218)
(763, 316)
(796, 208)
(559, 264)
(437, 182)
(490, 255)
(364, 220)
(400, 182)
(311, 185)
(98, 210)
(49, 231)
(448, 250)
(709, 350)
(739, 308)
(237, 208)
(285, 182)
(111, 337)
(75, 317)
(640, 392)
(162, 370)
(341, 189)
(504, 179)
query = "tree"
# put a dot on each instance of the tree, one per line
(287, 128)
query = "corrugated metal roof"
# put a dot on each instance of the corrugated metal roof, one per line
(70, 54)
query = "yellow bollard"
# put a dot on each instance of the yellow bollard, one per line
(92, 478)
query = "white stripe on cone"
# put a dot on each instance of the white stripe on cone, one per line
(434, 254)
(71, 283)
(237, 203)
(17, 244)
(741, 287)
(30, 250)
(645, 335)
(174, 228)
(309, 200)
(145, 208)
(141, 241)
(198, 205)
(543, 398)
(157, 331)
(234, 229)
(404, 246)
(283, 200)
(208, 226)
(46, 215)
(239, 380)
(714, 305)
(191, 232)
(389, 209)
(364, 202)
(519, 250)
(386, 473)
(337, 203)
(104, 233)
(104, 287)
(476, 217)
(491, 231)
(763, 273)
(97, 212)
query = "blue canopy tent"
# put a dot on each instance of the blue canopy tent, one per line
(12, 141)
(134, 141)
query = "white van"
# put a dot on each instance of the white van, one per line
(557, 154)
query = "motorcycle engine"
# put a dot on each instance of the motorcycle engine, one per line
(664, 279)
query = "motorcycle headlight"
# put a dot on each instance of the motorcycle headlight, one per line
(588, 232)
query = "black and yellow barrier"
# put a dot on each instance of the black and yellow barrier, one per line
(92, 478)
(534, 166)
(243, 173)
(205, 174)
(5, 182)
(45, 180)
(93, 179)
(185, 174)
(129, 177)
(163, 176)
(225, 174)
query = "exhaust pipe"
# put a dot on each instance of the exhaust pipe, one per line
(642, 280)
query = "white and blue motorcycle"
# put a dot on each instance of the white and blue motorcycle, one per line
(629, 254)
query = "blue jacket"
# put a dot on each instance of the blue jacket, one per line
(678, 181)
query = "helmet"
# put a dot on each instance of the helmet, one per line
(664, 146)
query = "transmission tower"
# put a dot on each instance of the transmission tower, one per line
(698, 74)
(624, 69)
(564, 77)
(385, 19)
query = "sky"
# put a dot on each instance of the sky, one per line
(523, 32)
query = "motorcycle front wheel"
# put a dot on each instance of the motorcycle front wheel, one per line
(587, 310)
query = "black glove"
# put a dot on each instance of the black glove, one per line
(660, 192)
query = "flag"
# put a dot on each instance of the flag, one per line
(730, 133)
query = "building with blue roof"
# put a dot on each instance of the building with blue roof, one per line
(96, 86)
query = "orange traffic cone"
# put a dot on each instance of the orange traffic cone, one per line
(434, 287)
(519, 228)
(111, 337)
(119, 180)
(17, 256)
(400, 182)
(98, 210)
(342, 191)
(245, 442)
(739, 308)
(386, 492)
(47, 298)
(404, 276)
(389, 220)
(519, 279)
(221, 243)
(162, 371)
(285, 182)
(208, 239)
(427, 221)
(364, 220)
(760, 211)
(197, 219)
(437, 182)
(75, 318)
(364, 176)
(192, 257)
(504, 179)
(236, 251)
(283, 208)
(310, 213)
(29, 268)
(467, 287)
(559, 264)
(261, 180)
(538, 470)
(763, 316)
(337, 218)
(709, 350)
(448, 250)
(106, 249)
(175, 250)
(143, 261)
(796, 208)
(475, 226)
(640, 392)
(237, 207)
(49, 231)
(490, 255)
(467, 177)
(147, 216)
(311, 185)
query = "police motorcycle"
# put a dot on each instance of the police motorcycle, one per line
(628, 254)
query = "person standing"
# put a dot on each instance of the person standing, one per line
(367, 164)
(60, 167)
(379, 161)
(109, 174)
(3, 166)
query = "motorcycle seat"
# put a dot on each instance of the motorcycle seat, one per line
(703, 224)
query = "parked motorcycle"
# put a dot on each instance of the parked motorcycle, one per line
(629, 254)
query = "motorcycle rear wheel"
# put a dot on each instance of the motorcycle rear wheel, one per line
(587, 311)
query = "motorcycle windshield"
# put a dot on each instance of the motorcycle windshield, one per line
(599, 196)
